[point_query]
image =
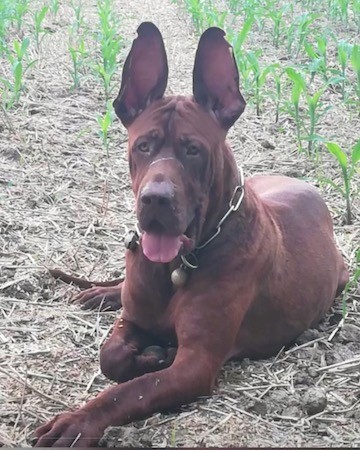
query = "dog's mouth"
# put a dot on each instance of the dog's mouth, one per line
(161, 247)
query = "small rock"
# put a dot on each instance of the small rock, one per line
(266, 144)
(350, 333)
(292, 411)
(303, 378)
(307, 336)
(312, 372)
(280, 398)
(314, 401)
(258, 407)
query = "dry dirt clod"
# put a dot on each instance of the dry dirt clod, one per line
(266, 144)
(314, 401)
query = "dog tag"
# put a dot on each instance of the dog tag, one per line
(131, 240)
(179, 277)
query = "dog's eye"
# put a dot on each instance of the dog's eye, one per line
(192, 150)
(144, 147)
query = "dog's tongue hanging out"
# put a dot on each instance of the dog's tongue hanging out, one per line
(161, 247)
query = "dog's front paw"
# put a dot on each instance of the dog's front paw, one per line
(70, 429)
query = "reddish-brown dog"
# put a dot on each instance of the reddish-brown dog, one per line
(221, 269)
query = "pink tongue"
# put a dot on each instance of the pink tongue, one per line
(160, 248)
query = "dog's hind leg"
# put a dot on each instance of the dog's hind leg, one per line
(103, 295)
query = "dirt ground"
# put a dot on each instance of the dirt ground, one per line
(65, 203)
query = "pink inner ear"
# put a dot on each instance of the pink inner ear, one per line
(216, 79)
(144, 74)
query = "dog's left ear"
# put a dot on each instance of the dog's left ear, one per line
(216, 78)
(144, 76)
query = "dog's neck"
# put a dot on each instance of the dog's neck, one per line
(227, 178)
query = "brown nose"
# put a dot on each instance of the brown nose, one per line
(158, 195)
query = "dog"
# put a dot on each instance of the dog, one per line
(218, 268)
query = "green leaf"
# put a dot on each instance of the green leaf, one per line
(244, 32)
(355, 57)
(296, 77)
(338, 153)
(310, 50)
(355, 154)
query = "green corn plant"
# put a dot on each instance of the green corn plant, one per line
(259, 78)
(299, 85)
(39, 30)
(213, 16)
(344, 51)
(318, 57)
(355, 8)
(79, 17)
(110, 44)
(276, 72)
(349, 167)
(313, 103)
(78, 55)
(298, 31)
(353, 282)
(12, 90)
(194, 7)
(276, 15)
(343, 10)
(54, 7)
(355, 62)
(105, 123)
(21, 8)
(237, 41)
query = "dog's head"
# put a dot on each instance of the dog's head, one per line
(176, 143)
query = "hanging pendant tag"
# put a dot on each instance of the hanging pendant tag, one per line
(179, 276)
(131, 240)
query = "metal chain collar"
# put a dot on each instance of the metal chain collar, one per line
(234, 205)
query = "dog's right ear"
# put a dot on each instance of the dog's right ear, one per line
(144, 76)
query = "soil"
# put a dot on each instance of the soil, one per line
(65, 203)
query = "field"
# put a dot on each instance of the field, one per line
(65, 201)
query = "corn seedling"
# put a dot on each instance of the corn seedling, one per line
(298, 31)
(78, 55)
(349, 167)
(352, 283)
(355, 62)
(54, 6)
(318, 57)
(276, 72)
(109, 43)
(313, 103)
(276, 14)
(237, 41)
(21, 8)
(214, 17)
(259, 77)
(344, 51)
(12, 90)
(194, 7)
(79, 18)
(105, 123)
(298, 87)
(39, 30)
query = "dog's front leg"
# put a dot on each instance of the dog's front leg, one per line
(190, 376)
(206, 328)
(130, 352)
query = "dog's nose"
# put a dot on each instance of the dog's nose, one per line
(157, 194)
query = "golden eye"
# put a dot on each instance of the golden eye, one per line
(192, 150)
(144, 147)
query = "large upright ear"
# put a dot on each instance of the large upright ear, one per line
(144, 76)
(216, 78)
